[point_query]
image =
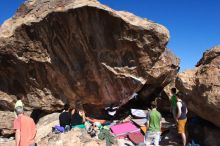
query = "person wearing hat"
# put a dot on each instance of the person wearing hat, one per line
(154, 126)
(18, 103)
(25, 128)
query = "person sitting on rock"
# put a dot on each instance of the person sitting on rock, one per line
(173, 101)
(154, 126)
(78, 116)
(181, 117)
(65, 117)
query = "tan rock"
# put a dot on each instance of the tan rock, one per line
(202, 86)
(92, 143)
(45, 124)
(8, 143)
(77, 137)
(6, 123)
(7, 102)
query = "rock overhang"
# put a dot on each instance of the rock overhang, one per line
(82, 51)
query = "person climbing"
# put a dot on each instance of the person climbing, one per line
(173, 101)
(78, 116)
(25, 129)
(154, 125)
(65, 118)
(181, 117)
(19, 102)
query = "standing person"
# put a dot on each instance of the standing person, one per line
(154, 126)
(25, 129)
(65, 118)
(173, 101)
(181, 117)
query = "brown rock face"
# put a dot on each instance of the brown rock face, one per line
(202, 86)
(6, 123)
(58, 51)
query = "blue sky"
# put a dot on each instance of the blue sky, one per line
(194, 25)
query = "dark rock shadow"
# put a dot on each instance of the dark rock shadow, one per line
(37, 114)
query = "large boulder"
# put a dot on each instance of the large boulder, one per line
(201, 86)
(58, 51)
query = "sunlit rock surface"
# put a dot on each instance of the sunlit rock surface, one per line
(201, 86)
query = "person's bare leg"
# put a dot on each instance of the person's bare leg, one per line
(183, 135)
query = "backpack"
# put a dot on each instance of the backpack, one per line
(58, 129)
